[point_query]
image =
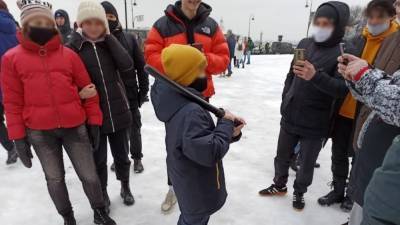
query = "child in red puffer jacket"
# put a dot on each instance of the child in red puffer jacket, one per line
(40, 82)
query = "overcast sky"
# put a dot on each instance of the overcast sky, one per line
(272, 17)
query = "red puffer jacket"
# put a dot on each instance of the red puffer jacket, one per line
(175, 28)
(40, 88)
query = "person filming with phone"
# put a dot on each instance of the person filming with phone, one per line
(312, 88)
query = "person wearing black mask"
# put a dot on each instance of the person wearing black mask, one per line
(311, 90)
(63, 24)
(43, 109)
(136, 83)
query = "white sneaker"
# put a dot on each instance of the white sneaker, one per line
(169, 202)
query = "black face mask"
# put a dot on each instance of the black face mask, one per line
(113, 25)
(200, 84)
(41, 35)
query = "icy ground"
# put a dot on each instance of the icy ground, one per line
(255, 94)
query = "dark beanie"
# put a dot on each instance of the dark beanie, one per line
(327, 11)
(3, 5)
(109, 8)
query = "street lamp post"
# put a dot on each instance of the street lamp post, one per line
(126, 16)
(310, 15)
(251, 18)
(133, 4)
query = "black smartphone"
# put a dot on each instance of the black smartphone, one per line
(342, 51)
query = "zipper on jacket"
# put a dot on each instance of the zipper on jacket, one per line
(43, 54)
(218, 182)
(104, 83)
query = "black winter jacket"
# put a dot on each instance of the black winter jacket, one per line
(308, 107)
(137, 80)
(106, 61)
(195, 148)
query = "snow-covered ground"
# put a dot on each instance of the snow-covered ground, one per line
(253, 93)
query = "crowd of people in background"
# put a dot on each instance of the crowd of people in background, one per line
(85, 84)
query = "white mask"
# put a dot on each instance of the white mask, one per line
(376, 30)
(321, 34)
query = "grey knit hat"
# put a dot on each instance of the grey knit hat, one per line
(33, 8)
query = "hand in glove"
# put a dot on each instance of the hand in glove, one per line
(94, 136)
(24, 152)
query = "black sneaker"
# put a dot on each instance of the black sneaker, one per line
(69, 219)
(12, 157)
(298, 201)
(273, 190)
(331, 198)
(294, 164)
(138, 166)
(347, 204)
(102, 218)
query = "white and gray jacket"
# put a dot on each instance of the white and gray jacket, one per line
(381, 93)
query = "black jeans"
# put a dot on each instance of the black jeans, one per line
(341, 148)
(5, 142)
(48, 146)
(193, 219)
(309, 151)
(119, 145)
(135, 136)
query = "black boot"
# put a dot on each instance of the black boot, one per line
(347, 204)
(126, 194)
(138, 166)
(336, 195)
(106, 201)
(12, 157)
(69, 219)
(298, 201)
(101, 217)
(112, 167)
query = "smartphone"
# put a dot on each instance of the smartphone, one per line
(299, 55)
(342, 51)
(199, 46)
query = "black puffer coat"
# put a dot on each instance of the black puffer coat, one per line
(137, 80)
(308, 107)
(105, 60)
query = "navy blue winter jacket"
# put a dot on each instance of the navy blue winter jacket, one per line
(231, 44)
(195, 148)
(8, 34)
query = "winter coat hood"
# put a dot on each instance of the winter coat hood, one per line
(167, 101)
(67, 25)
(175, 12)
(343, 15)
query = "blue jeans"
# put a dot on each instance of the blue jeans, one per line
(193, 220)
(230, 65)
(248, 54)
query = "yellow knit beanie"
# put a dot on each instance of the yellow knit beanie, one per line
(183, 63)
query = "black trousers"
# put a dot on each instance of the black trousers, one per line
(342, 148)
(309, 151)
(5, 142)
(135, 135)
(185, 219)
(120, 150)
(48, 146)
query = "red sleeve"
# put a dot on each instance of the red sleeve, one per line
(153, 49)
(82, 79)
(218, 57)
(13, 99)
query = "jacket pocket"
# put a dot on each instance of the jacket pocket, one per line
(123, 93)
